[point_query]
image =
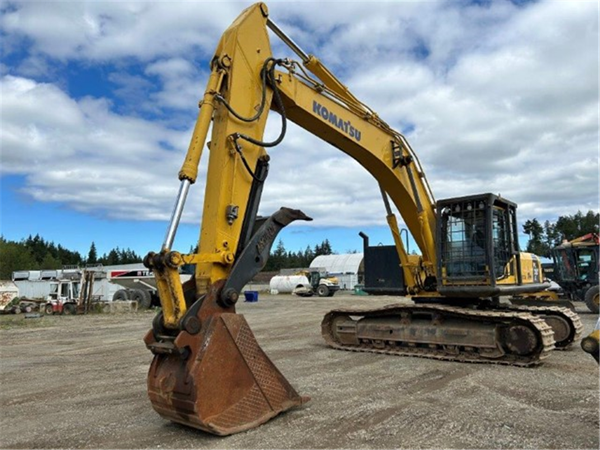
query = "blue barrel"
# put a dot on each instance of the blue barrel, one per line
(251, 296)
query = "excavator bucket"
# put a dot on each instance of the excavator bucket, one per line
(218, 380)
(209, 372)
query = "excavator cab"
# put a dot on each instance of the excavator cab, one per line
(478, 247)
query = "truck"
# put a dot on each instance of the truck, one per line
(38, 284)
(137, 285)
(72, 295)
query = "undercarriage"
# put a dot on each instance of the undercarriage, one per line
(519, 336)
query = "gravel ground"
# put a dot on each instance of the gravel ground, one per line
(80, 382)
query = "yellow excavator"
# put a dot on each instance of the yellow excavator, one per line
(208, 370)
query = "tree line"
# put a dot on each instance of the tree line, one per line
(544, 237)
(35, 253)
(281, 258)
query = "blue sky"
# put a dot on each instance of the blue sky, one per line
(99, 99)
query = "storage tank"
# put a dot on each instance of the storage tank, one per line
(285, 284)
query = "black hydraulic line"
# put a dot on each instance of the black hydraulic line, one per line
(278, 102)
(238, 148)
(268, 73)
(386, 201)
(220, 98)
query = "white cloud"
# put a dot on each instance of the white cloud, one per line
(84, 155)
(107, 30)
(181, 81)
(502, 98)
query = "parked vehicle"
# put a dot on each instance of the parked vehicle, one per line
(305, 283)
(137, 285)
(576, 265)
(71, 296)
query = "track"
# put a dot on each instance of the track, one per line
(443, 332)
(566, 323)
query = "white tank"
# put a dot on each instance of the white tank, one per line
(285, 284)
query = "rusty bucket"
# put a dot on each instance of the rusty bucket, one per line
(213, 375)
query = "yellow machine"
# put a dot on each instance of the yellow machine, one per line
(208, 371)
(591, 343)
(319, 283)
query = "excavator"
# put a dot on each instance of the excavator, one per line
(208, 371)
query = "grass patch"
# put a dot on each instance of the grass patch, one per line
(11, 321)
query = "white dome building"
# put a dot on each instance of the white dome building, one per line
(348, 268)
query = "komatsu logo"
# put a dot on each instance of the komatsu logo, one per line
(336, 121)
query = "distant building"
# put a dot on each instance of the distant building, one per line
(347, 268)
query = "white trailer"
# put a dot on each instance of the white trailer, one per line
(111, 283)
(33, 289)
(39, 284)
(137, 284)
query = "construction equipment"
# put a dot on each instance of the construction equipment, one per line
(591, 343)
(305, 283)
(208, 371)
(576, 266)
(72, 295)
(319, 283)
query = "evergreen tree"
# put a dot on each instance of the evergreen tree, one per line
(324, 248)
(535, 231)
(278, 257)
(112, 258)
(543, 238)
(50, 263)
(307, 256)
(552, 236)
(15, 256)
(93, 254)
(571, 227)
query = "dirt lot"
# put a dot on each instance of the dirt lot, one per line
(80, 382)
